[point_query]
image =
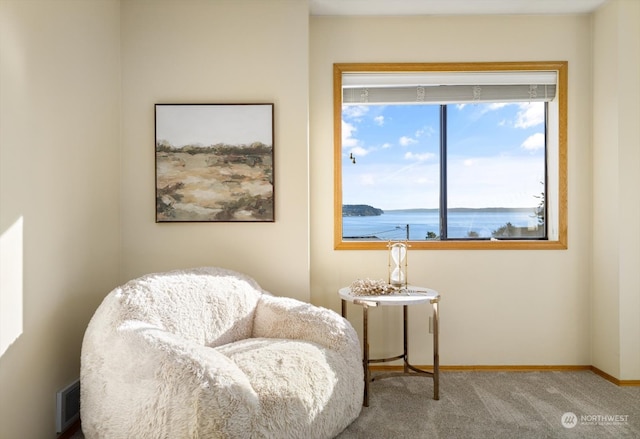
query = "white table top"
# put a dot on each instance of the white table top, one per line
(412, 295)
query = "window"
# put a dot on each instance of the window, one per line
(450, 155)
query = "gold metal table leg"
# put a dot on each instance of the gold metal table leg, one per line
(436, 354)
(365, 359)
(405, 343)
(365, 353)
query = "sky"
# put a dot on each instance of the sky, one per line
(207, 125)
(495, 155)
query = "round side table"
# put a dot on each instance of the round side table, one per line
(405, 297)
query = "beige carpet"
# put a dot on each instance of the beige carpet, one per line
(494, 405)
(498, 405)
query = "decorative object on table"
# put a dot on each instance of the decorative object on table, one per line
(398, 263)
(214, 162)
(207, 353)
(370, 287)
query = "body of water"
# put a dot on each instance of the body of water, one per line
(392, 225)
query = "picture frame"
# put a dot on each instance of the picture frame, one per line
(214, 163)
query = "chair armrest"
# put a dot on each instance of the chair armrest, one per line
(150, 376)
(287, 318)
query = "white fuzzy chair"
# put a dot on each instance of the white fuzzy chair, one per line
(206, 353)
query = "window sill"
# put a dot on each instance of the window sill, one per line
(456, 245)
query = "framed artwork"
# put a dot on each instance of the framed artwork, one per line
(214, 163)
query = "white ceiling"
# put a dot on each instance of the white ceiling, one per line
(451, 7)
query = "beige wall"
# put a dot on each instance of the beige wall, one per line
(629, 195)
(78, 81)
(198, 51)
(59, 167)
(616, 202)
(498, 307)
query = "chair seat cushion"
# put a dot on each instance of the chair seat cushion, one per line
(294, 381)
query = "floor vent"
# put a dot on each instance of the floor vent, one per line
(67, 406)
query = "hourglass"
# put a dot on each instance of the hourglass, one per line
(398, 263)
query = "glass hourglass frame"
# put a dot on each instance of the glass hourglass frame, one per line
(398, 263)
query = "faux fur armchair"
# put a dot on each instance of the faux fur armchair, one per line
(206, 353)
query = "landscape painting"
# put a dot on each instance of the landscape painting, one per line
(214, 162)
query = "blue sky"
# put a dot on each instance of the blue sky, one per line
(496, 155)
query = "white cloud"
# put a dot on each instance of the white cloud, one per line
(354, 111)
(379, 120)
(386, 145)
(530, 115)
(468, 162)
(419, 157)
(348, 131)
(406, 141)
(486, 108)
(427, 130)
(496, 106)
(533, 142)
(359, 151)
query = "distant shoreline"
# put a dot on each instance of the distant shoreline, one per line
(463, 209)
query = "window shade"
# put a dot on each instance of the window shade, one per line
(444, 88)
